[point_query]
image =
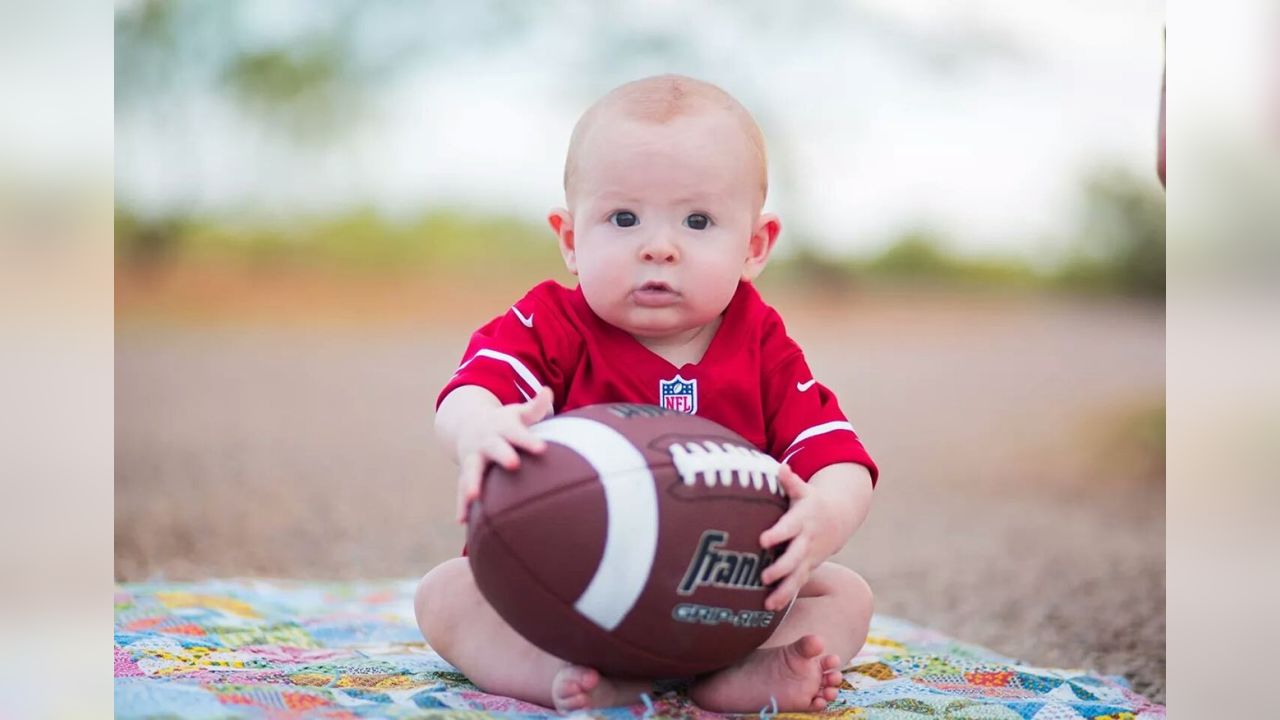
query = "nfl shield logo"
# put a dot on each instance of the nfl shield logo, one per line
(678, 394)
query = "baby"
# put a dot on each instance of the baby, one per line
(664, 182)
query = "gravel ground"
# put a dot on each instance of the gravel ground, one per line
(1019, 508)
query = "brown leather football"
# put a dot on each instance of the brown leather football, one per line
(632, 544)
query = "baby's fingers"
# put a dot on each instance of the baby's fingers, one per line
(792, 485)
(787, 527)
(779, 598)
(500, 451)
(469, 478)
(787, 564)
(787, 589)
(523, 438)
(538, 407)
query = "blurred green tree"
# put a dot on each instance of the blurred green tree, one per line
(917, 253)
(1120, 244)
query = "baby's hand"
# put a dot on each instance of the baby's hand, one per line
(490, 437)
(811, 531)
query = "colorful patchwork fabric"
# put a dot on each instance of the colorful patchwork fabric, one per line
(254, 649)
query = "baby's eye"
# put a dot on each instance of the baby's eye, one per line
(697, 221)
(623, 218)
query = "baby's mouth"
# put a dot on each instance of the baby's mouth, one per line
(655, 294)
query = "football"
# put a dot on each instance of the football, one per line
(632, 544)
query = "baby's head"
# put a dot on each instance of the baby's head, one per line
(664, 182)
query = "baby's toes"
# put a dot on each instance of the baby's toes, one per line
(588, 679)
(832, 678)
(830, 662)
(571, 687)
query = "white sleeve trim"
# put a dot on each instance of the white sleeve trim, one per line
(819, 430)
(511, 360)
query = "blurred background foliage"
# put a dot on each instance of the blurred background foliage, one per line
(302, 88)
(1118, 247)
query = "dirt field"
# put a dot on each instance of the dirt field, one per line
(1021, 505)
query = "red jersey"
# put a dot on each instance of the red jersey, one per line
(753, 379)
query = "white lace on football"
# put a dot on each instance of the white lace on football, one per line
(722, 463)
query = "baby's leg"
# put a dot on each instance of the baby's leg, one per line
(800, 664)
(467, 632)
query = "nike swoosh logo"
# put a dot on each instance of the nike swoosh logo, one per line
(527, 321)
(805, 385)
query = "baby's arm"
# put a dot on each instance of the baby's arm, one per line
(844, 490)
(824, 514)
(476, 429)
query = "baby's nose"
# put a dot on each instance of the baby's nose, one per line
(660, 249)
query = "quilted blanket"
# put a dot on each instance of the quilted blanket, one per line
(257, 649)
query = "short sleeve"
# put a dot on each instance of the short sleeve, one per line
(516, 353)
(805, 426)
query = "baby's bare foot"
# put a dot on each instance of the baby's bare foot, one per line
(798, 676)
(576, 688)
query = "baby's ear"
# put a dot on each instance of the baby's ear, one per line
(761, 245)
(561, 221)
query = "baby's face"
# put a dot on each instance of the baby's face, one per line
(662, 217)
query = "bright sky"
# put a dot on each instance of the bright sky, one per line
(979, 119)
